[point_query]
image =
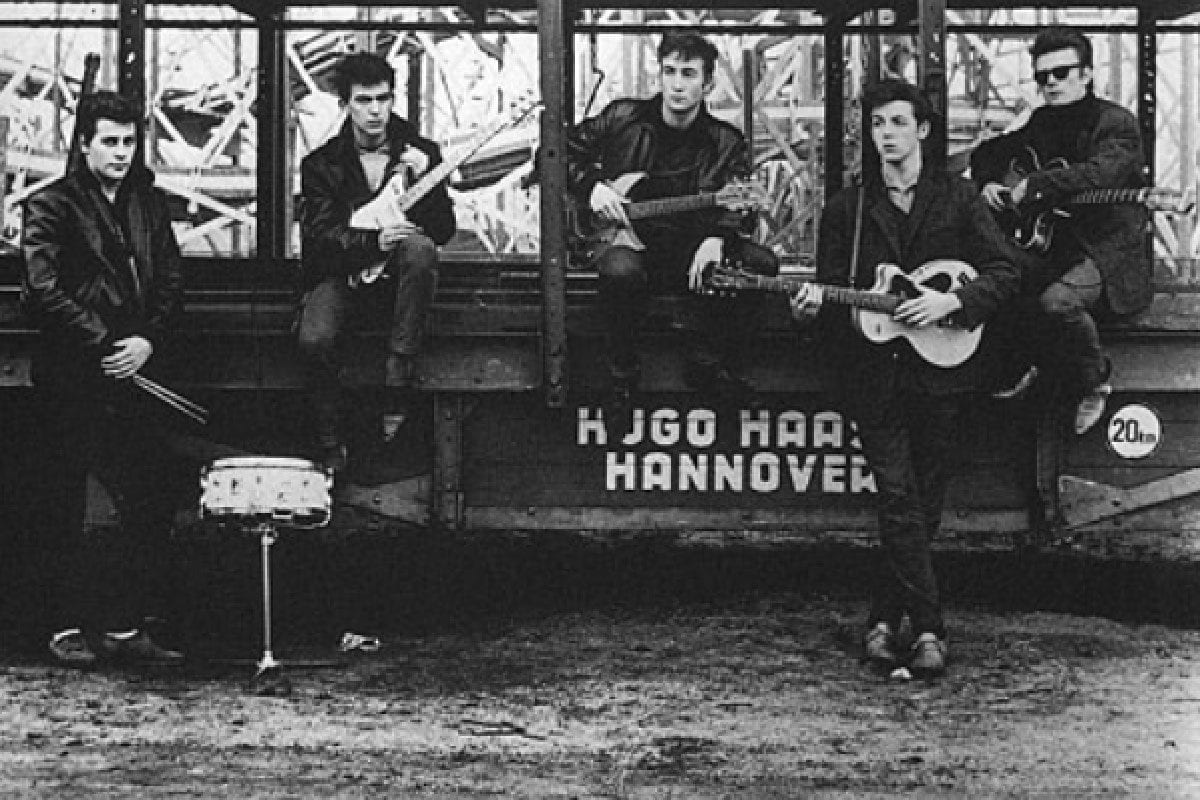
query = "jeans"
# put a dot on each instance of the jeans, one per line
(909, 442)
(722, 327)
(333, 306)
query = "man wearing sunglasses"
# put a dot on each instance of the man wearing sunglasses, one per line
(1098, 260)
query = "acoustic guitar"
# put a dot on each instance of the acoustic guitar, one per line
(1031, 223)
(942, 345)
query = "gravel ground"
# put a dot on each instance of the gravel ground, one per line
(734, 698)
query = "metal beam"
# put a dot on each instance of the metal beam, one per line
(131, 49)
(931, 68)
(1147, 49)
(555, 37)
(273, 115)
(835, 106)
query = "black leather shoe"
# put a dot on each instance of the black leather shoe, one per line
(140, 649)
(71, 649)
(929, 656)
(879, 646)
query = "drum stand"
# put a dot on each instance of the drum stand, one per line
(269, 677)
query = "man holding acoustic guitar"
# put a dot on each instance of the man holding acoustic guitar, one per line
(659, 180)
(917, 257)
(354, 259)
(1087, 249)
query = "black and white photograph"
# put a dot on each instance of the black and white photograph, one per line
(614, 400)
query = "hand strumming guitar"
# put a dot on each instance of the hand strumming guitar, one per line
(709, 253)
(806, 302)
(608, 204)
(999, 197)
(928, 309)
(392, 235)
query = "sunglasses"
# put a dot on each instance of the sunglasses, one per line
(1042, 76)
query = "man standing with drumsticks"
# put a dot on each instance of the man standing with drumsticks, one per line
(351, 268)
(102, 282)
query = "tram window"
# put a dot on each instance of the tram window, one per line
(41, 69)
(202, 135)
(453, 86)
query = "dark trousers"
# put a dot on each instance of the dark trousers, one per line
(909, 442)
(1072, 337)
(1053, 326)
(721, 327)
(113, 577)
(333, 306)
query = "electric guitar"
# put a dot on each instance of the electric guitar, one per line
(941, 345)
(397, 197)
(737, 195)
(1031, 223)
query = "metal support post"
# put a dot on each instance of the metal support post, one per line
(555, 33)
(272, 138)
(447, 499)
(835, 105)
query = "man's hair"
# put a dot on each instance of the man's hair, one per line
(104, 104)
(892, 90)
(1053, 39)
(688, 46)
(361, 69)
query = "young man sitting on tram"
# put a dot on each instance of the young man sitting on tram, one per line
(350, 270)
(1097, 260)
(683, 151)
(905, 408)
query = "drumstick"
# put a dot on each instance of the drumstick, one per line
(176, 401)
(173, 399)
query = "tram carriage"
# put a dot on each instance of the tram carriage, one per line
(514, 376)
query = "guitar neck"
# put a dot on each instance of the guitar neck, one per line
(1109, 197)
(644, 209)
(839, 295)
(442, 171)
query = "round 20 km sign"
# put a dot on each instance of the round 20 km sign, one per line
(1134, 431)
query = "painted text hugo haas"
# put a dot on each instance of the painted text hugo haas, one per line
(671, 450)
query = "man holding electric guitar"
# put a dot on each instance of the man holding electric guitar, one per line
(356, 255)
(1086, 249)
(917, 257)
(658, 180)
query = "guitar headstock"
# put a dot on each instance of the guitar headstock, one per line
(723, 278)
(742, 195)
(520, 108)
(1171, 202)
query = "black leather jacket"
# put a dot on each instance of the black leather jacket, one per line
(621, 139)
(334, 185)
(78, 286)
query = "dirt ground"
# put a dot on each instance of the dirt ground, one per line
(737, 698)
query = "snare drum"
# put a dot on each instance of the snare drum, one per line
(289, 491)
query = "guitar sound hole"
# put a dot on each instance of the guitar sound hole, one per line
(940, 283)
(903, 287)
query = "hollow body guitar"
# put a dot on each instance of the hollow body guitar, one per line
(1031, 224)
(941, 345)
(737, 195)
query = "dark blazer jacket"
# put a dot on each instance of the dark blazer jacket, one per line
(948, 220)
(1114, 236)
(78, 286)
(333, 185)
(620, 139)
